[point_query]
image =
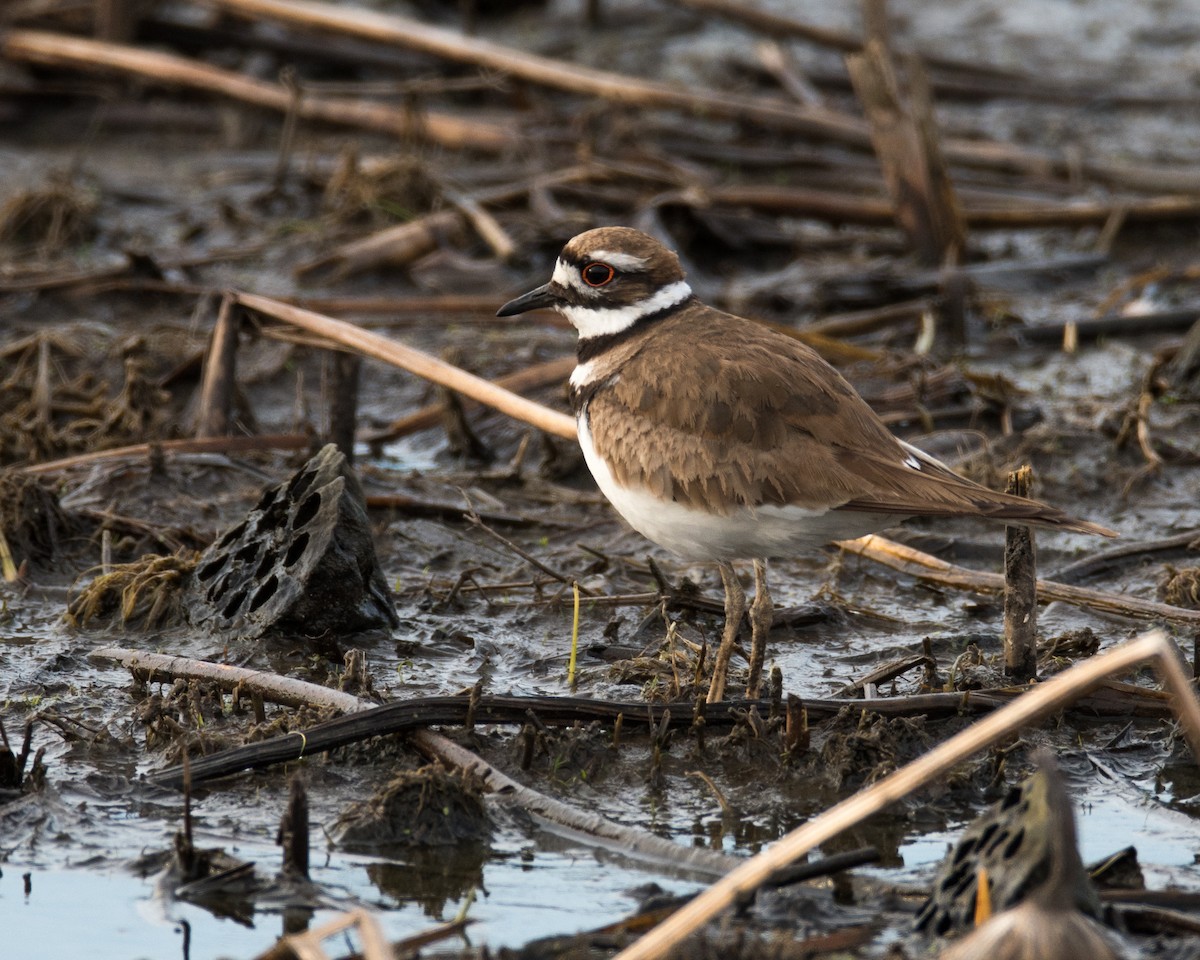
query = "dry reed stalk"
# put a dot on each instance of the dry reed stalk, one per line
(930, 569)
(415, 361)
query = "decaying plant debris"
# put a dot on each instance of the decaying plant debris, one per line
(235, 230)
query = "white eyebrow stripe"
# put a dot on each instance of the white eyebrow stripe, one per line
(619, 261)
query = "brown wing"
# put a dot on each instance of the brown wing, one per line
(747, 416)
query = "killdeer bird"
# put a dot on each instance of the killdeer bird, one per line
(721, 439)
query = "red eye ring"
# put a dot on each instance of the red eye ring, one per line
(597, 274)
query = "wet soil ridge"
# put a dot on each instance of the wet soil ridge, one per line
(302, 561)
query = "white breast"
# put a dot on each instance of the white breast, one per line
(749, 532)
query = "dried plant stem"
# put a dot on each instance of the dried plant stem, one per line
(908, 150)
(272, 441)
(1020, 591)
(574, 635)
(855, 208)
(59, 50)
(307, 945)
(415, 361)
(1038, 702)
(219, 380)
(343, 404)
(291, 692)
(531, 378)
(547, 71)
(925, 567)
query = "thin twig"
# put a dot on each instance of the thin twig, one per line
(474, 519)
(275, 441)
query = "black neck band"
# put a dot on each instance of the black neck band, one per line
(594, 346)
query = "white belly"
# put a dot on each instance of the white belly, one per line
(749, 532)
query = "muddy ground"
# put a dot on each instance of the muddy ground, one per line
(128, 209)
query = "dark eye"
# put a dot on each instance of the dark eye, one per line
(598, 274)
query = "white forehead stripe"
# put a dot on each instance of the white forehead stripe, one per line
(605, 321)
(619, 261)
(566, 275)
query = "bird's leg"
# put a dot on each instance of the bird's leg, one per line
(735, 609)
(762, 614)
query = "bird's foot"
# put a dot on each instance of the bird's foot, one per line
(735, 609)
(762, 615)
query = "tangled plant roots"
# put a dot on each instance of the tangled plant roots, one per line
(147, 593)
(53, 216)
(1181, 588)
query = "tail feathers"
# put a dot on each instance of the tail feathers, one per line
(983, 504)
(934, 490)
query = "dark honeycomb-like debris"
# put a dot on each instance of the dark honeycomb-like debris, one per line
(301, 562)
(1025, 842)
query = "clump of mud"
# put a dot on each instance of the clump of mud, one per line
(33, 524)
(427, 807)
(865, 747)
